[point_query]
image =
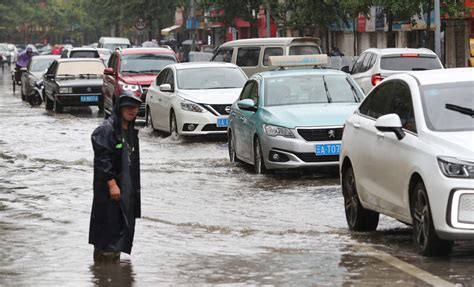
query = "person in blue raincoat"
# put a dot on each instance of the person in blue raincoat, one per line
(116, 202)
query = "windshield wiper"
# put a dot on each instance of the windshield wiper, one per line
(88, 76)
(151, 71)
(419, 69)
(462, 110)
(132, 72)
(327, 91)
(215, 88)
(66, 75)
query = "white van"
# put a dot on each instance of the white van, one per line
(252, 54)
(113, 43)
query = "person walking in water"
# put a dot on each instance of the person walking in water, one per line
(116, 203)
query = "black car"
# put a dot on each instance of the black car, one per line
(32, 76)
(73, 82)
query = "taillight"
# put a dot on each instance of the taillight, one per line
(376, 79)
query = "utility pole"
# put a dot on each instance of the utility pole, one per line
(437, 19)
(193, 37)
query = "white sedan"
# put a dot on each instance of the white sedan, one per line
(193, 98)
(408, 152)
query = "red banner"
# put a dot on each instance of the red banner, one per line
(361, 23)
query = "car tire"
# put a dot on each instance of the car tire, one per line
(427, 241)
(358, 218)
(48, 105)
(23, 96)
(173, 126)
(35, 99)
(258, 162)
(231, 145)
(149, 119)
(58, 108)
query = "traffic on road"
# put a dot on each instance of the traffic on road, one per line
(271, 168)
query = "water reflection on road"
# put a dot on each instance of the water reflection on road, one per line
(204, 220)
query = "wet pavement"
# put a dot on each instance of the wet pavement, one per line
(205, 220)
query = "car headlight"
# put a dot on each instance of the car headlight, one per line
(127, 87)
(454, 167)
(274, 131)
(65, 90)
(192, 107)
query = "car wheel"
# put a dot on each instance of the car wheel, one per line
(23, 96)
(231, 145)
(174, 127)
(58, 108)
(35, 99)
(48, 105)
(426, 239)
(258, 162)
(149, 119)
(358, 218)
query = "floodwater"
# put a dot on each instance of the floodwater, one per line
(205, 220)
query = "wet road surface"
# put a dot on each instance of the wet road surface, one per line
(205, 220)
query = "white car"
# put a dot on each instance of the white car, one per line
(374, 65)
(193, 98)
(408, 152)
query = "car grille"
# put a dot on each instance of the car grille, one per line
(218, 110)
(311, 157)
(213, 128)
(321, 134)
(83, 90)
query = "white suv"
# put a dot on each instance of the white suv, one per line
(374, 65)
(408, 152)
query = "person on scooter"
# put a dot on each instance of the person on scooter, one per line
(23, 59)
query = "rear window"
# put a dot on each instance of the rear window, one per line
(84, 54)
(304, 50)
(410, 63)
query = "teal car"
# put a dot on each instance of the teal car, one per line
(289, 119)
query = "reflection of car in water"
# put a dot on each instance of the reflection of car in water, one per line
(32, 78)
(73, 82)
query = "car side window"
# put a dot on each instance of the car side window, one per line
(161, 77)
(366, 64)
(376, 104)
(358, 64)
(52, 68)
(271, 52)
(402, 105)
(112, 61)
(170, 78)
(248, 57)
(247, 90)
(223, 55)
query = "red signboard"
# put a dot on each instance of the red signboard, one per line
(361, 23)
(469, 3)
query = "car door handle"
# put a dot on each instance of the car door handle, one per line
(357, 125)
(380, 135)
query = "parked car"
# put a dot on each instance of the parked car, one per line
(104, 54)
(408, 152)
(113, 43)
(133, 69)
(32, 76)
(73, 82)
(288, 119)
(374, 65)
(252, 54)
(80, 53)
(194, 98)
(5, 53)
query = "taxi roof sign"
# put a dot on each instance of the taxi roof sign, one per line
(298, 60)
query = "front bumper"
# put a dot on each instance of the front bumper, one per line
(452, 207)
(192, 123)
(74, 100)
(294, 153)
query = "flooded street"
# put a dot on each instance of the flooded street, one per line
(204, 220)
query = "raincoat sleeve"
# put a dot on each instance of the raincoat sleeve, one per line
(104, 145)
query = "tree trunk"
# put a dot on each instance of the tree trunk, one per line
(390, 34)
(428, 26)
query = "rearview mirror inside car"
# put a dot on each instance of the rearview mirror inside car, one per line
(166, 88)
(390, 123)
(247, 105)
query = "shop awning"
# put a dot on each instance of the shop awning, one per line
(168, 30)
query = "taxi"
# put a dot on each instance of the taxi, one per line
(292, 117)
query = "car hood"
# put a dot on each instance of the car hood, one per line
(80, 82)
(308, 115)
(455, 144)
(211, 96)
(139, 79)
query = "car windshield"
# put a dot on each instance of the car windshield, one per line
(114, 46)
(83, 54)
(449, 107)
(39, 65)
(310, 89)
(304, 50)
(145, 63)
(409, 63)
(210, 78)
(78, 68)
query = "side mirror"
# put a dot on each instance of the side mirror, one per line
(109, 71)
(166, 88)
(49, 76)
(247, 105)
(390, 123)
(346, 69)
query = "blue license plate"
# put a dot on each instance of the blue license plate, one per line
(328, 149)
(222, 122)
(88, 99)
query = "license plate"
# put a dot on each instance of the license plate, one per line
(222, 122)
(88, 99)
(328, 149)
